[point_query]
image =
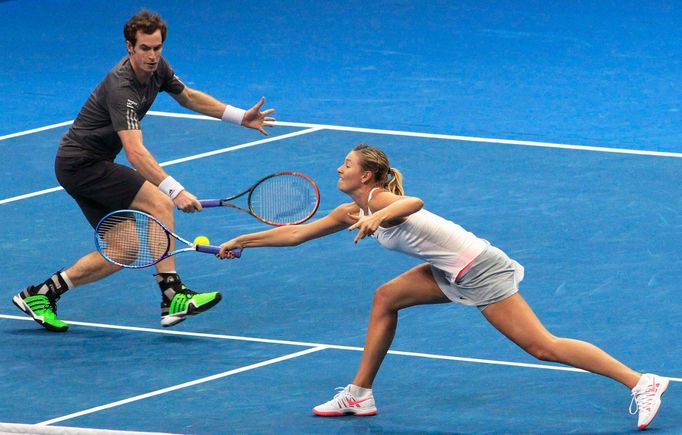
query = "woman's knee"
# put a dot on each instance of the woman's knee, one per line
(544, 350)
(384, 298)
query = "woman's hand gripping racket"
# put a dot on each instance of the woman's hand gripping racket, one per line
(135, 239)
(284, 198)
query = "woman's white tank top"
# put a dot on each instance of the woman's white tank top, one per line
(431, 238)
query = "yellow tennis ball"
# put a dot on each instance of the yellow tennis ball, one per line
(202, 240)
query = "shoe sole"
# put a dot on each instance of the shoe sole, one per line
(344, 414)
(664, 388)
(191, 311)
(16, 300)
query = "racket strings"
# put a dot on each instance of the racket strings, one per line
(284, 199)
(132, 239)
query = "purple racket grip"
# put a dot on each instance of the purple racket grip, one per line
(236, 252)
(210, 249)
(210, 202)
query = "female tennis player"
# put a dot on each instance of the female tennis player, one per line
(458, 267)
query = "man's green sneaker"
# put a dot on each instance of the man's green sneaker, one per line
(186, 303)
(42, 309)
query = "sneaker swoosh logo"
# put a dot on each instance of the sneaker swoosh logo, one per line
(653, 388)
(352, 402)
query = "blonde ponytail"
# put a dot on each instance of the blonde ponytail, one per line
(395, 183)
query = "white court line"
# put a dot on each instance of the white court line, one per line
(318, 127)
(444, 136)
(309, 344)
(30, 429)
(36, 130)
(238, 147)
(176, 161)
(180, 386)
(31, 195)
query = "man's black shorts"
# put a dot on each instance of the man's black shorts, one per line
(98, 186)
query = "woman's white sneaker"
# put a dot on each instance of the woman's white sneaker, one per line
(351, 400)
(647, 398)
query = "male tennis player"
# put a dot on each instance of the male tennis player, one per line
(109, 121)
(457, 267)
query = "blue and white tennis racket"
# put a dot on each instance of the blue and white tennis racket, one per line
(135, 239)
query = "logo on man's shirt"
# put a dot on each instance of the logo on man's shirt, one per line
(131, 115)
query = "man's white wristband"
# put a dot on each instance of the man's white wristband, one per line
(233, 114)
(171, 187)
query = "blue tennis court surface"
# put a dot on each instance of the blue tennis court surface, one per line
(453, 94)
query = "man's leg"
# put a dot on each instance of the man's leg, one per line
(40, 301)
(177, 301)
(98, 187)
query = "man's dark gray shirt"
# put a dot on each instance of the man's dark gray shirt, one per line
(118, 103)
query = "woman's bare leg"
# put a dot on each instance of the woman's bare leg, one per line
(414, 287)
(516, 320)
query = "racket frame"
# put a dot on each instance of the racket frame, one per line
(225, 202)
(208, 249)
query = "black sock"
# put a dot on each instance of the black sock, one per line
(169, 283)
(53, 287)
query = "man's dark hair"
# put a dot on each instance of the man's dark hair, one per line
(146, 21)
